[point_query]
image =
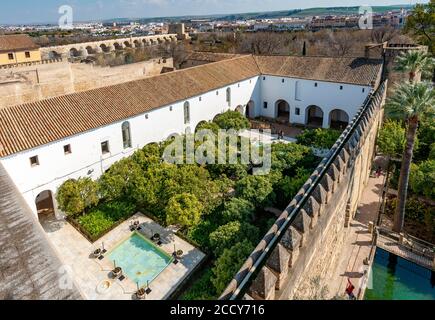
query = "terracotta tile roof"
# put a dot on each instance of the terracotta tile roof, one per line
(359, 71)
(34, 124)
(210, 56)
(17, 42)
(30, 125)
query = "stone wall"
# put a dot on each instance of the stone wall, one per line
(37, 82)
(301, 251)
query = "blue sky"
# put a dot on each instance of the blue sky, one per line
(26, 11)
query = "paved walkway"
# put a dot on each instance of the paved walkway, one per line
(358, 241)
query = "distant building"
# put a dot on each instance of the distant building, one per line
(18, 49)
(179, 29)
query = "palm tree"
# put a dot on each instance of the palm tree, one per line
(414, 62)
(411, 102)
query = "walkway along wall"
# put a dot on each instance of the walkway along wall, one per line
(301, 250)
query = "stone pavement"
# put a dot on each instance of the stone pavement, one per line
(358, 241)
(93, 276)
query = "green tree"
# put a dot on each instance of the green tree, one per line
(289, 186)
(184, 209)
(232, 120)
(149, 155)
(208, 126)
(258, 190)
(229, 263)
(288, 156)
(421, 23)
(415, 62)
(122, 179)
(426, 141)
(422, 178)
(411, 102)
(231, 233)
(237, 209)
(320, 138)
(74, 196)
(391, 138)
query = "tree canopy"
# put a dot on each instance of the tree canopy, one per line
(74, 196)
(255, 189)
(229, 263)
(392, 139)
(319, 138)
(183, 209)
(422, 178)
(231, 233)
(421, 23)
(232, 120)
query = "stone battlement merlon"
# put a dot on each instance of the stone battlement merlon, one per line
(266, 271)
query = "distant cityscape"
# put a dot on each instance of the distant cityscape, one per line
(321, 18)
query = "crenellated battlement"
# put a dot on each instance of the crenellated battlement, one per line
(305, 240)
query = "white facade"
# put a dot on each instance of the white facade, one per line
(87, 160)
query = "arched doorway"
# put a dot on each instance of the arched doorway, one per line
(338, 119)
(282, 111)
(314, 116)
(250, 110)
(45, 205)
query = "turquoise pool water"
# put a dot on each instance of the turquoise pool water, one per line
(140, 259)
(395, 278)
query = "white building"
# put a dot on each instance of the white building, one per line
(45, 143)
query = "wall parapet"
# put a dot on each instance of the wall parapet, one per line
(295, 228)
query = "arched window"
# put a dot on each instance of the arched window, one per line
(229, 96)
(126, 135)
(186, 113)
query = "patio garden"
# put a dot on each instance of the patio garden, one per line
(218, 208)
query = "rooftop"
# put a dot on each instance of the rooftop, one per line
(16, 43)
(29, 266)
(359, 71)
(30, 125)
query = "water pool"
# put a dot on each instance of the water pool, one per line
(395, 278)
(140, 259)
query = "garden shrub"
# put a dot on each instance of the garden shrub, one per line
(202, 289)
(232, 120)
(257, 190)
(102, 218)
(237, 209)
(320, 138)
(229, 263)
(422, 179)
(231, 233)
(183, 209)
(74, 196)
